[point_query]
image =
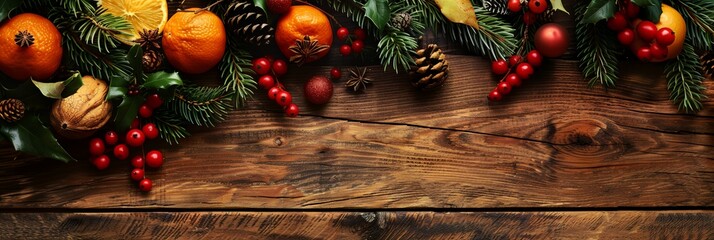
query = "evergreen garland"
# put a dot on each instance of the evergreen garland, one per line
(171, 127)
(699, 16)
(597, 50)
(201, 106)
(684, 80)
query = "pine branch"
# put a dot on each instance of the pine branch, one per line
(684, 80)
(76, 7)
(236, 74)
(99, 29)
(699, 16)
(89, 60)
(494, 39)
(396, 49)
(170, 126)
(202, 106)
(596, 51)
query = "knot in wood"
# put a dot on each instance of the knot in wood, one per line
(279, 141)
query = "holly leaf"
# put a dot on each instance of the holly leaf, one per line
(6, 6)
(651, 12)
(458, 11)
(598, 10)
(30, 136)
(118, 88)
(378, 12)
(162, 80)
(126, 112)
(135, 57)
(59, 90)
(558, 5)
(261, 4)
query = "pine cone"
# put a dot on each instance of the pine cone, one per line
(402, 21)
(708, 64)
(431, 69)
(12, 110)
(499, 7)
(152, 60)
(249, 23)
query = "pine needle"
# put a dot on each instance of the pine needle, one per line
(684, 80)
(596, 51)
(699, 16)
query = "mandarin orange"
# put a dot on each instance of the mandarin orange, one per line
(30, 47)
(194, 40)
(299, 22)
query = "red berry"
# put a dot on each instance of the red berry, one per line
(154, 159)
(292, 110)
(631, 10)
(646, 30)
(503, 88)
(514, 5)
(524, 70)
(111, 138)
(665, 36)
(626, 37)
(345, 50)
(357, 46)
(279, 6)
(284, 98)
(499, 67)
(280, 67)
(514, 60)
(134, 124)
(529, 18)
(335, 73)
(101, 162)
(135, 138)
(360, 34)
(154, 101)
(150, 131)
(145, 111)
(137, 161)
(121, 151)
(273, 92)
(270, 58)
(618, 22)
(537, 6)
(513, 80)
(266, 82)
(96, 147)
(145, 185)
(644, 54)
(534, 58)
(342, 33)
(137, 174)
(261, 66)
(494, 96)
(658, 51)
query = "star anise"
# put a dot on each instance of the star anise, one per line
(24, 39)
(358, 80)
(306, 50)
(149, 39)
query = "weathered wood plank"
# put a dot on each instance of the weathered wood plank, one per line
(368, 225)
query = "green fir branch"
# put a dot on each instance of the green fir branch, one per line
(100, 29)
(596, 50)
(201, 106)
(396, 49)
(699, 16)
(171, 127)
(89, 60)
(684, 80)
(236, 73)
(494, 38)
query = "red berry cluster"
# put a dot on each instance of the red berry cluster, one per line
(352, 44)
(534, 8)
(134, 138)
(269, 70)
(515, 70)
(657, 39)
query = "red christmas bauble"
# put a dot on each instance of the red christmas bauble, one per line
(552, 40)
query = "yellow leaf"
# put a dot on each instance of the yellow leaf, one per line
(458, 11)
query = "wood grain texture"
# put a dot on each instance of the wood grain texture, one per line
(367, 225)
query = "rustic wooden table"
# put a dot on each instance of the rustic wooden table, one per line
(555, 160)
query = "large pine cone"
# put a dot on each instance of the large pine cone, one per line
(431, 68)
(80, 115)
(249, 23)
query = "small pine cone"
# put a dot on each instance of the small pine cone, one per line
(546, 16)
(152, 60)
(499, 7)
(402, 21)
(708, 63)
(12, 110)
(431, 68)
(249, 23)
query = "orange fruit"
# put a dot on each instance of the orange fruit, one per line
(301, 21)
(194, 40)
(670, 18)
(30, 47)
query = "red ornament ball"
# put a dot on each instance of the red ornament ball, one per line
(318, 90)
(552, 40)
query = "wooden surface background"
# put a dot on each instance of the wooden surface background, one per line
(554, 160)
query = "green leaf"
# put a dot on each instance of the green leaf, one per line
(598, 10)
(162, 80)
(135, 57)
(558, 5)
(27, 93)
(126, 112)
(29, 135)
(59, 90)
(6, 6)
(261, 4)
(652, 12)
(118, 88)
(378, 11)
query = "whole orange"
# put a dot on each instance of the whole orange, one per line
(670, 18)
(194, 40)
(301, 21)
(30, 47)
